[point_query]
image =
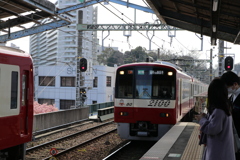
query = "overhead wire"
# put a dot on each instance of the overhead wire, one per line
(141, 33)
(52, 67)
(47, 24)
(54, 77)
(124, 21)
(73, 34)
(83, 36)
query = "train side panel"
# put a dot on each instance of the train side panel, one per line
(16, 109)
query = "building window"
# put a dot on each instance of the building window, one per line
(47, 101)
(46, 81)
(95, 81)
(67, 81)
(66, 104)
(109, 81)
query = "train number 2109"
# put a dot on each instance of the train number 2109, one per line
(159, 103)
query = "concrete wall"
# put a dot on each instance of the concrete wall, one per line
(48, 120)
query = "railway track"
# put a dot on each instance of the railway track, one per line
(131, 150)
(65, 154)
(56, 129)
(64, 143)
(50, 134)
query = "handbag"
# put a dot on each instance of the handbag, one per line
(236, 139)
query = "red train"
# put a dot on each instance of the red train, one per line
(150, 97)
(16, 102)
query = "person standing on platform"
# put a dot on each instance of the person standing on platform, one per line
(217, 125)
(232, 81)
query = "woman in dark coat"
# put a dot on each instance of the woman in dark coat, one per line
(217, 125)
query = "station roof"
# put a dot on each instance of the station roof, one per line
(17, 7)
(218, 19)
(21, 10)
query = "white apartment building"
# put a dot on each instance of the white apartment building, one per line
(103, 85)
(66, 44)
(56, 85)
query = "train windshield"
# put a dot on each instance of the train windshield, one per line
(145, 83)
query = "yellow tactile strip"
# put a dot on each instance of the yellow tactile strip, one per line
(193, 151)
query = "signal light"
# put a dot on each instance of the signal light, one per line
(83, 64)
(83, 94)
(228, 63)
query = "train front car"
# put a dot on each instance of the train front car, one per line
(16, 102)
(145, 99)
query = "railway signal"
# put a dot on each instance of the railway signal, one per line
(83, 94)
(228, 63)
(83, 64)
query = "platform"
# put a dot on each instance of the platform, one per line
(179, 143)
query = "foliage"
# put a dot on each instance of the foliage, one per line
(43, 108)
(135, 55)
(153, 55)
(115, 58)
(110, 57)
(139, 54)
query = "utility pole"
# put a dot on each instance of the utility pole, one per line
(220, 57)
(211, 75)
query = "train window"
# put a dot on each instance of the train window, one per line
(124, 83)
(23, 89)
(145, 83)
(185, 89)
(14, 89)
(155, 83)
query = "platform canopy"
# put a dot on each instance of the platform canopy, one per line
(218, 19)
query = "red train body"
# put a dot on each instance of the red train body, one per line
(151, 97)
(16, 108)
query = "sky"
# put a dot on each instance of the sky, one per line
(181, 44)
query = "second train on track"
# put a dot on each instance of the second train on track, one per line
(151, 97)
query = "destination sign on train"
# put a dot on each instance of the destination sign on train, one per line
(159, 72)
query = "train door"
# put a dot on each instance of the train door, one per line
(24, 101)
(191, 96)
(180, 97)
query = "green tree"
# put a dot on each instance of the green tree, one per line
(153, 55)
(102, 59)
(110, 57)
(115, 58)
(135, 55)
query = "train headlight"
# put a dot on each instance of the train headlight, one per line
(169, 73)
(164, 114)
(121, 72)
(123, 113)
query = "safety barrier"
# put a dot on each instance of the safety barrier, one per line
(106, 113)
(52, 119)
(94, 107)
